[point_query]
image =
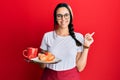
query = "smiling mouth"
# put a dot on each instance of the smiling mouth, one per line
(64, 22)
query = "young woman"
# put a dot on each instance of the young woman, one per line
(71, 47)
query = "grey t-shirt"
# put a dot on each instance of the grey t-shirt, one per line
(62, 47)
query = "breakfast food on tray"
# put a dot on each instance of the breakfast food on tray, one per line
(47, 56)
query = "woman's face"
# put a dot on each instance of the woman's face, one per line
(63, 17)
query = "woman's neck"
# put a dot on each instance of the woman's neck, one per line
(62, 31)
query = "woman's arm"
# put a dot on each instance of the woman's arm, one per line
(42, 65)
(81, 58)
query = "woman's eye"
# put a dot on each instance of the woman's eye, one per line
(66, 15)
(58, 15)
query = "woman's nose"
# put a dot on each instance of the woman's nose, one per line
(63, 18)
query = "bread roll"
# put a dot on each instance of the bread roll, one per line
(47, 56)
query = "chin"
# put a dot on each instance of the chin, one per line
(64, 26)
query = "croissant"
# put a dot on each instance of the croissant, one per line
(47, 56)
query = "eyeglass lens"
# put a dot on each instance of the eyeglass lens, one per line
(60, 16)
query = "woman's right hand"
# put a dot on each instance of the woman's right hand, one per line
(29, 61)
(40, 64)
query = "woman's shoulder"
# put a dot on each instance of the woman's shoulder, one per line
(49, 33)
(77, 34)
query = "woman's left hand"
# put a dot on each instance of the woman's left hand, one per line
(88, 39)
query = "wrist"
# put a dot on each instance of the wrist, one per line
(86, 47)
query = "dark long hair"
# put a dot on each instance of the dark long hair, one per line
(70, 26)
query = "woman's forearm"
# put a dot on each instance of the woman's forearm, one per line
(42, 66)
(82, 60)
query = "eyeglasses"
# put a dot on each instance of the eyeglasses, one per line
(60, 16)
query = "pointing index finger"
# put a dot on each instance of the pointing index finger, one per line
(92, 33)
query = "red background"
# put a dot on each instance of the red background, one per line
(23, 23)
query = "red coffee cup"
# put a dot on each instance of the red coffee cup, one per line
(30, 52)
